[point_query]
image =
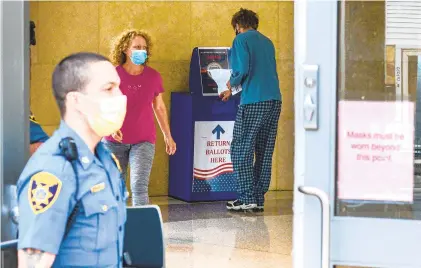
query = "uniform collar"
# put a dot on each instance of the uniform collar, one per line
(86, 157)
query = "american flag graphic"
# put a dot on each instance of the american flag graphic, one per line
(207, 174)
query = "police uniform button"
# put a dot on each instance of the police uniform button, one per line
(104, 208)
(85, 160)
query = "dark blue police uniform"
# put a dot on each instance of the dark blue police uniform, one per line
(36, 133)
(46, 197)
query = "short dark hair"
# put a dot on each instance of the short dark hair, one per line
(246, 19)
(73, 74)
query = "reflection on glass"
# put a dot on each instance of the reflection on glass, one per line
(379, 115)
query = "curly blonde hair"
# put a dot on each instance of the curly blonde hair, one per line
(122, 42)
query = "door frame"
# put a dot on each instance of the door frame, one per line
(14, 100)
(400, 51)
(406, 52)
(307, 229)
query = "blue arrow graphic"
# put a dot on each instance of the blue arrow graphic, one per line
(218, 130)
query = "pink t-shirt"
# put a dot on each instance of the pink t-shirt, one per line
(141, 90)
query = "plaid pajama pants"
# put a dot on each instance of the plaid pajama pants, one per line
(254, 135)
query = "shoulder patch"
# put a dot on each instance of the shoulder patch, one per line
(116, 162)
(44, 189)
(118, 136)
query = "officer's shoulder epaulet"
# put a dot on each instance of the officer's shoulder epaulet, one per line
(42, 161)
(48, 157)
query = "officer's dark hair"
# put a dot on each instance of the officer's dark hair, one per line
(72, 74)
(32, 39)
(245, 18)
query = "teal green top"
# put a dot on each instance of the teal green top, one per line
(253, 64)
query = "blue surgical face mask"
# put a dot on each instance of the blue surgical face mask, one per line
(139, 57)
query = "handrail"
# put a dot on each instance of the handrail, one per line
(325, 203)
(9, 244)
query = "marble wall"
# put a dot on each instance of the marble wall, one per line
(362, 57)
(176, 28)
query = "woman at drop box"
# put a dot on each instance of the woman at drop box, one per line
(134, 145)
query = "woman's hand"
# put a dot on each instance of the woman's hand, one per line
(162, 117)
(171, 147)
(118, 136)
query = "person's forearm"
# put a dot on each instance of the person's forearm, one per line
(162, 118)
(236, 79)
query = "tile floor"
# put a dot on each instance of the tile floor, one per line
(206, 235)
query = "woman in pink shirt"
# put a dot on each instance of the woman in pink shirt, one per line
(135, 144)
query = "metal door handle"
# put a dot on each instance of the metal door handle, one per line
(325, 203)
(14, 215)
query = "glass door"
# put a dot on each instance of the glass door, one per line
(358, 132)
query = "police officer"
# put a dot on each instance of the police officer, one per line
(37, 136)
(71, 196)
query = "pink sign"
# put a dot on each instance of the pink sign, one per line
(376, 150)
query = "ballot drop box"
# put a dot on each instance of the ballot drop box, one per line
(202, 126)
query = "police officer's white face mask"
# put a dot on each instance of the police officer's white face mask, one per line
(105, 116)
